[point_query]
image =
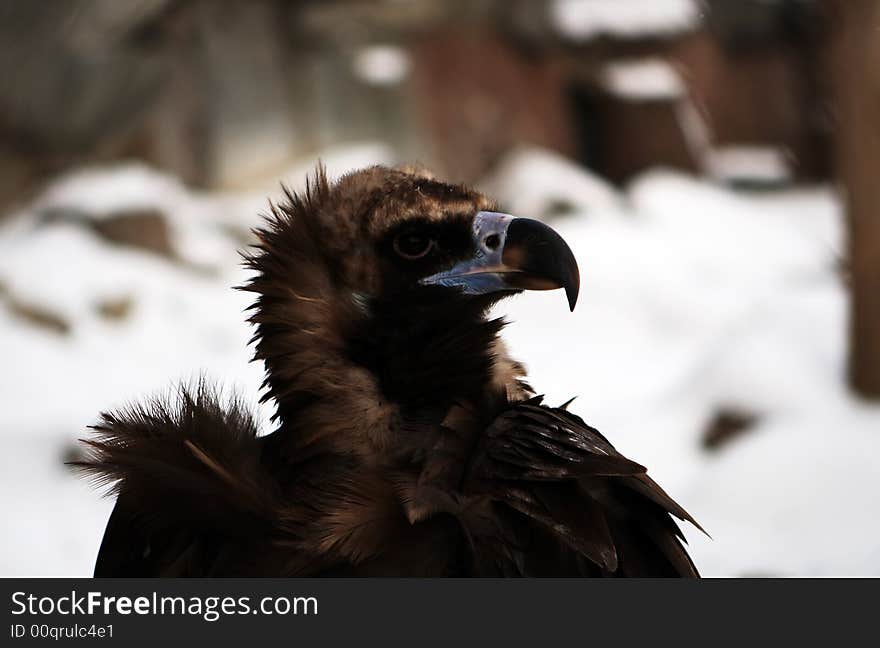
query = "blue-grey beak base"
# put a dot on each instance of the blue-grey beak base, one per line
(512, 254)
(481, 273)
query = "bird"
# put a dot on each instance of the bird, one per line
(405, 440)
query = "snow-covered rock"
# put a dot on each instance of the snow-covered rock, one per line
(643, 79)
(540, 184)
(582, 20)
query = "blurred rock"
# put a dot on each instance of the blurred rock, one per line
(542, 184)
(727, 424)
(71, 452)
(115, 309)
(35, 314)
(146, 229)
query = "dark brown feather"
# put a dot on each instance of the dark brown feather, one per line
(550, 466)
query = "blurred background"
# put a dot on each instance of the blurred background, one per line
(714, 164)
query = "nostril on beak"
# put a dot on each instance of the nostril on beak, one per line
(492, 241)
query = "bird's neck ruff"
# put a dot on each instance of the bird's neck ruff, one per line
(344, 371)
(427, 354)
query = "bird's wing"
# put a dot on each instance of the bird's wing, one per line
(190, 485)
(563, 490)
(125, 549)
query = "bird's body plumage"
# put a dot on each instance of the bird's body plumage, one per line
(407, 441)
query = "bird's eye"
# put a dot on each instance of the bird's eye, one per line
(413, 245)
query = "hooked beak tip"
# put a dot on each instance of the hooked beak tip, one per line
(526, 255)
(541, 253)
(573, 288)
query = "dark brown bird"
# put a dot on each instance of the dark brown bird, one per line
(407, 442)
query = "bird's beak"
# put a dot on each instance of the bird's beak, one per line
(513, 254)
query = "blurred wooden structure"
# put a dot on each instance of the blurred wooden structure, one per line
(222, 93)
(855, 69)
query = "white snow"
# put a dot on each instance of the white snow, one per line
(693, 297)
(563, 185)
(381, 64)
(582, 20)
(643, 80)
(759, 164)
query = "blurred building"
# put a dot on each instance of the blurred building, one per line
(222, 93)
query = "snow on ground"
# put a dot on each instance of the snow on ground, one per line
(563, 187)
(693, 297)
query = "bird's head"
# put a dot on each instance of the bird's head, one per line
(399, 234)
(387, 262)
